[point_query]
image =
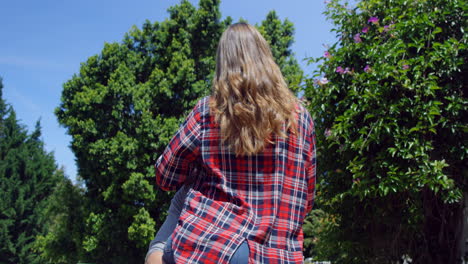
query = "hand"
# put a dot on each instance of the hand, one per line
(155, 258)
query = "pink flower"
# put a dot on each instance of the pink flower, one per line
(367, 68)
(365, 29)
(346, 70)
(357, 38)
(327, 54)
(405, 67)
(373, 20)
(388, 27)
(328, 132)
(339, 70)
(322, 81)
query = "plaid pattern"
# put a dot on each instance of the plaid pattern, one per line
(262, 198)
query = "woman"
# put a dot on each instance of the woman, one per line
(252, 146)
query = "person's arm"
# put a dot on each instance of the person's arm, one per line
(172, 166)
(155, 258)
(155, 250)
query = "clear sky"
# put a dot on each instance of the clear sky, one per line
(42, 44)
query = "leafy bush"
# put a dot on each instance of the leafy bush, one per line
(390, 111)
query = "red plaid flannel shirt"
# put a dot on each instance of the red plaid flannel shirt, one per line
(262, 199)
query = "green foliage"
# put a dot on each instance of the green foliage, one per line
(316, 223)
(391, 126)
(124, 106)
(26, 180)
(62, 240)
(142, 228)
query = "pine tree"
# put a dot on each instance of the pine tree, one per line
(26, 180)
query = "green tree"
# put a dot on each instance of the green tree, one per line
(26, 180)
(62, 241)
(390, 108)
(121, 111)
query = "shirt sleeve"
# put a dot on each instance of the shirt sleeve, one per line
(172, 167)
(173, 214)
(311, 169)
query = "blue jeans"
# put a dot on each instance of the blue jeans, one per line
(241, 256)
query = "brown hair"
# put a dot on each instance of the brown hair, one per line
(250, 98)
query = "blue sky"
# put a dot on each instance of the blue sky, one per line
(42, 44)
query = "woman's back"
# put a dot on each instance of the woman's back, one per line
(262, 198)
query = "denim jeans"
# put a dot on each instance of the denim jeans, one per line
(241, 256)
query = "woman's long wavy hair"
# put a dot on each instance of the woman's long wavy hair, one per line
(250, 99)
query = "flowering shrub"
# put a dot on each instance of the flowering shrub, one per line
(391, 131)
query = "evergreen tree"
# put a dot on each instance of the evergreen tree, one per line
(26, 180)
(391, 112)
(62, 241)
(124, 106)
